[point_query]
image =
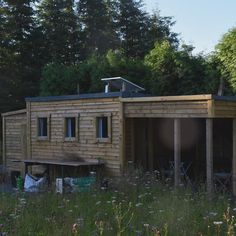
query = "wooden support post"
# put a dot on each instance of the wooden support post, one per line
(122, 137)
(28, 123)
(132, 130)
(177, 151)
(209, 156)
(234, 159)
(4, 141)
(150, 144)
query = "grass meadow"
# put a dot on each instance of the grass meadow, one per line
(136, 205)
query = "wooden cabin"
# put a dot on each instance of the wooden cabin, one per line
(118, 128)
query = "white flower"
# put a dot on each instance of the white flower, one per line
(217, 222)
(139, 204)
(213, 213)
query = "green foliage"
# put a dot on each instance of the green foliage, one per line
(58, 79)
(18, 67)
(226, 54)
(98, 28)
(70, 42)
(138, 206)
(176, 72)
(132, 25)
(59, 31)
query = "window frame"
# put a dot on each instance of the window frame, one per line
(109, 128)
(71, 139)
(48, 117)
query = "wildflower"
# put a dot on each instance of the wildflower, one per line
(75, 228)
(212, 213)
(98, 202)
(139, 232)
(80, 222)
(12, 215)
(70, 210)
(217, 222)
(138, 204)
(146, 225)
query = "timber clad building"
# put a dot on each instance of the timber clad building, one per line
(118, 128)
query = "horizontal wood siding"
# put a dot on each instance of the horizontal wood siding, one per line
(14, 140)
(86, 146)
(225, 109)
(170, 109)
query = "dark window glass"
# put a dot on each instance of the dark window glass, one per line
(102, 127)
(70, 127)
(42, 127)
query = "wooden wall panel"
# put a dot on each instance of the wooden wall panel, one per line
(85, 147)
(178, 109)
(225, 109)
(15, 140)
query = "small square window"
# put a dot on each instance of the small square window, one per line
(42, 127)
(70, 127)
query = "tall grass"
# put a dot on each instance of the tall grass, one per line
(135, 205)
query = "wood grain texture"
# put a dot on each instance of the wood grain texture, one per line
(160, 109)
(86, 146)
(14, 131)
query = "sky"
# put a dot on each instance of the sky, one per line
(200, 23)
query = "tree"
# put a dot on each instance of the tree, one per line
(132, 27)
(161, 62)
(128, 68)
(159, 29)
(226, 54)
(97, 18)
(178, 72)
(60, 31)
(19, 71)
(59, 79)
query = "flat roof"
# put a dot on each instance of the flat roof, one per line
(84, 96)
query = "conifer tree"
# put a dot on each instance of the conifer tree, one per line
(17, 52)
(132, 27)
(99, 30)
(60, 31)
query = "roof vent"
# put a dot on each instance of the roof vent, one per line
(122, 84)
